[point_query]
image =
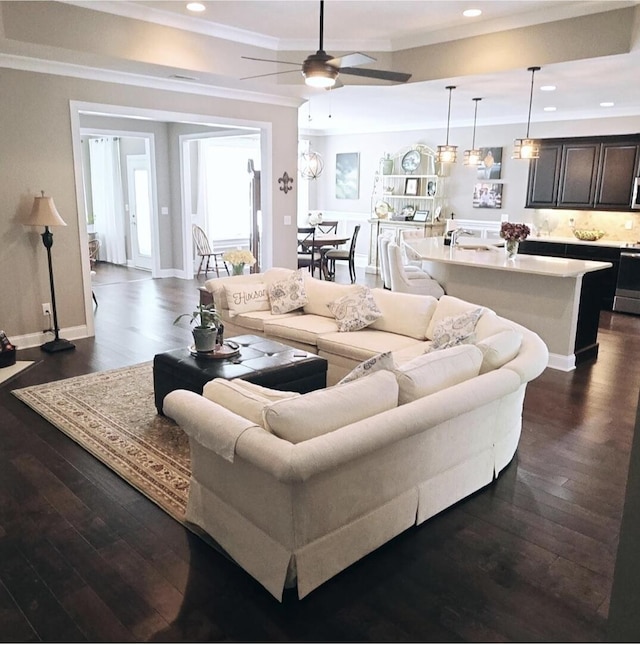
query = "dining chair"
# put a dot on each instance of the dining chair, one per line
(346, 255)
(94, 247)
(203, 249)
(328, 227)
(306, 248)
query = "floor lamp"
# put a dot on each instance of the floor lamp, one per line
(44, 213)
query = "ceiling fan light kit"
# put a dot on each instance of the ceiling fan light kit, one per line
(527, 148)
(472, 157)
(447, 153)
(318, 72)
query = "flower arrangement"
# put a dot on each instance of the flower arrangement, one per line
(238, 258)
(514, 232)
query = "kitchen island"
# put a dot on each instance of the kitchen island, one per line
(558, 298)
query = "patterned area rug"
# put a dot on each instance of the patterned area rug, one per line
(112, 415)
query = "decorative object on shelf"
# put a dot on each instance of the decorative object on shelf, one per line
(44, 213)
(436, 215)
(7, 351)
(421, 216)
(411, 186)
(387, 164)
(527, 148)
(286, 182)
(431, 188)
(513, 234)
(310, 165)
(472, 156)
(411, 161)
(490, 166)
(238, 258)
(347, 175)
(205, 331)
(588, 235)
(447, 153)
(408, 212)
(388, 190)
(487, 196)
(382, 209)
(314, 219)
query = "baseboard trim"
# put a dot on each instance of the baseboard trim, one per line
(35, 340)
(561, 362)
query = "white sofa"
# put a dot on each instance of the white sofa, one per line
(298, 487)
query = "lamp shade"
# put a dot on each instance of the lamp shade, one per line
(44, 213)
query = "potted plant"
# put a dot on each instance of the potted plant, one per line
(205, 331)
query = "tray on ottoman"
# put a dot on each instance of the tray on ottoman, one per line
(260, 360)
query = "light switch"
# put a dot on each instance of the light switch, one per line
(164, 210)
(628, 224)
(287, 220)
(504, 217)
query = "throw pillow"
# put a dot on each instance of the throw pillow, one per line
(355, 310)
(455, 330)
(431, 373)
(499, 349)
(247, 296)
(382, 361)
(288, 295)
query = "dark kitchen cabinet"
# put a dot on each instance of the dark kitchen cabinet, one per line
(584, 173)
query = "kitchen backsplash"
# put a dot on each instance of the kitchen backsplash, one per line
(557, 223)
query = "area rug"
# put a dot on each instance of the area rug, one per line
(9, 372)
(112, 415)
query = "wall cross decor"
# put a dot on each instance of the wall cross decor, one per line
(286, 182)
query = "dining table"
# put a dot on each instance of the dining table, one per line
(325, 240)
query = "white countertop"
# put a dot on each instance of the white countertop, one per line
(493, 257)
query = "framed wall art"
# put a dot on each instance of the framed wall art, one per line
(411, 186)
(487, 196)
(422, 216)
(347, 175)
(490, 166)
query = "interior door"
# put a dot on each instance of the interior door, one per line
(140, 205)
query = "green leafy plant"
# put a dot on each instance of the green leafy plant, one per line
(205, 316)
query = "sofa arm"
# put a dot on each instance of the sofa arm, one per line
(533, 357)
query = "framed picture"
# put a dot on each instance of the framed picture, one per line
(490, 166)
(487, 196)
(411, 186)
(347, 175)
(432, 187)
(422, 216)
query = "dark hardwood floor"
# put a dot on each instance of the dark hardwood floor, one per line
(85, 557)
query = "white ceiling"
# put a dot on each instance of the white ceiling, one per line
(393, 25)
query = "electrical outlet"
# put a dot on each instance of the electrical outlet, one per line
(46, 308)
(628, 224)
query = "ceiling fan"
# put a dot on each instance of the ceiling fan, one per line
(322, 69)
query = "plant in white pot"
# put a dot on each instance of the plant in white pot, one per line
(205, 330)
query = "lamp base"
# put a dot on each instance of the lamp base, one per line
(57, 345)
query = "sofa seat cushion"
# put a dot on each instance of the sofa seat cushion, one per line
(256, 319)
(407, 314)
(303, 329)
(449, 306)
(321, 411)
(359, 345)
(406, 354)
(243, 398)
(323, 292)
(436, 371)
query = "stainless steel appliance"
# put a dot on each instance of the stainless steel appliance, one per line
(635, 195)
(627, 296)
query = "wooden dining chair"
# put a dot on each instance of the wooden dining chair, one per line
(203, 249)
(307, 253)
(345, 255)
(328, 227)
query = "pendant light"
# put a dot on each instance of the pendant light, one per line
(472, 157)
(310, 164)
(447, 153)
(527, 148)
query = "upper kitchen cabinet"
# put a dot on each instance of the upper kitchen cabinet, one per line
(595, 173)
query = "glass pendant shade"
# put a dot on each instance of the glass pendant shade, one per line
(527, 148)
(447, 153)
(472, 157)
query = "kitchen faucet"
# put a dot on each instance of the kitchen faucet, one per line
(457, 232)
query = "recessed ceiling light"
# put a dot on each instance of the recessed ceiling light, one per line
(550, 108)
(195, 6)
(607, 104)
(471, 13)
(547, 88)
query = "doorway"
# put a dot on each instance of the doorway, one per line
(140, 210)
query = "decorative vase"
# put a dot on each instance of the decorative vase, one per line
(387, 165)
(511, 248)
(204, 338)
(237, 269)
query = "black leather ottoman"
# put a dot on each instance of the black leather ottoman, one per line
(261, 361)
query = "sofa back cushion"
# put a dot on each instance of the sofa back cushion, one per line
(435, 371)
(322, 411)
(243, 398)
(449, 306)
(404, 313)
(499, 349)
(322, 292)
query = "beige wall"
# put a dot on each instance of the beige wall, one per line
(37, 154)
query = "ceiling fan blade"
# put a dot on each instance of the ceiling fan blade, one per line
(336, 86)
(269, 60)
(351, 60)
(382, 74)
(288, 71)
